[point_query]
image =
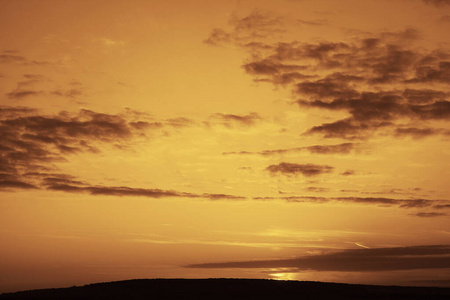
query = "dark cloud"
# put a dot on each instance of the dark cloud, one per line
(419, 132)
(116, 191)
(270, 68)
(356, 76)
(423, 96)
(128, 191)
(20, 93)
(355, 260)
(344, 148)
(326, 88)
(15, 184)
(29, 142)
(372, 111)
(304, 169)
(442, 206)
(347, 129)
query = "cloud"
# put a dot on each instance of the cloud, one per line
(20, 93)
(357, 76)
(344, 148)
(304, 169)
(348, 172)
(15, 184)
(257, 25)
(347, 129)
(24, 89)
(379, 201)
(355, 260)
(442, 206)
(430, 214)
(128, 191)
(423, 96)
(316, 189)
(230, 120)
(420, 132)
(8, 58)
(445, 18)
(29, 142)
(70, 93)
(437, 2)
(313, 23)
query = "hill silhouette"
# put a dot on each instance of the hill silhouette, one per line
(230, 289)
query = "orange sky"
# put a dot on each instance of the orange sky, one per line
(257, 139)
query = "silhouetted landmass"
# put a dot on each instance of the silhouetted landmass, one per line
(231, 289)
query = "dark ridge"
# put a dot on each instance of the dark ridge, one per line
(231, 289)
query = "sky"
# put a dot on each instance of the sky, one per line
(290, 139)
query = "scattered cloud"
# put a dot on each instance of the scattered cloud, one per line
(294, 169)
(356, 76)
(29, 142)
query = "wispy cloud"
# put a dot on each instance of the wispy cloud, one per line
(344, 148)
(128, 191)
(380, 201)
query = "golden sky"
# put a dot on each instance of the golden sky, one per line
(290, 139)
